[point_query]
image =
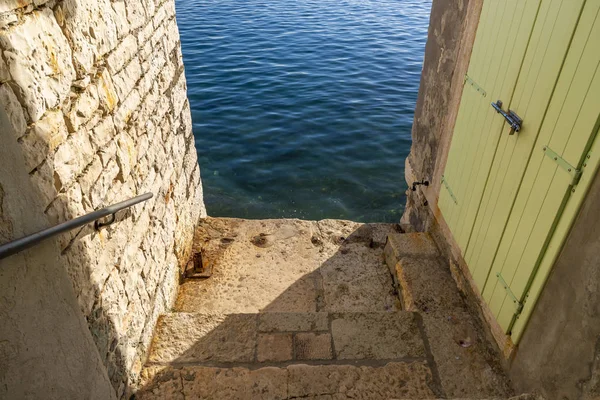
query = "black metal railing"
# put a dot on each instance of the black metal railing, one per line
(23, 243)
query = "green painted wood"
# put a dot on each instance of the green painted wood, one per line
(545, 66)
(542, 65)
(569, 129)
(500, 44)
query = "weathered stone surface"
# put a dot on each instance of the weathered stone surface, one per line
(90, 28)
(215, 383)
(161, 383)
(183, 337)
(13, 109)
(107, 94)
(71, 158)
(388, 354)
(377, 335)
(10, 5)
(121, 22)
(313, 346)
(290, 266)
(126, 155)
(43, 179)
(418, 244)
(98, 192)
(125, 110)
(274, 347)
(392, 381)
(136, 14)
(356, 279)
(103, 133)
(121, 56)
(7, 20)
(83, 108)
(257, 265)
(43, 138)
(126, 79)
(38, 58)
(292, 322)
(456, 338)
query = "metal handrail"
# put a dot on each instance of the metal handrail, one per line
(23, 243)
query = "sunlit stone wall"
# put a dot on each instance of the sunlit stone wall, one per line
(96, 95)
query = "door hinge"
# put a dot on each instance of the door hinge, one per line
(564, 164)
(471, 82)
(445, 182)
(518, 304)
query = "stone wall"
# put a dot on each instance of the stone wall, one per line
(450, 39)
(96, 97)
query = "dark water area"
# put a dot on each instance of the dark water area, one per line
(303, 108)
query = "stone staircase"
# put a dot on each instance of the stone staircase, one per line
(329, 310)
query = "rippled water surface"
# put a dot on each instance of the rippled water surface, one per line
(303, 108)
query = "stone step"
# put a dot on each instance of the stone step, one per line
(394, 380)
(226, 340)
(458, 340)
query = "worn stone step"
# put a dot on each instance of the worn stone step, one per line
(458, 340)
(286, 338)
(394, 380)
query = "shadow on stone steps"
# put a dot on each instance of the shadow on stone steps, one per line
(311, 311)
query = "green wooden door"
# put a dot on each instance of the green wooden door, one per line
(504, 31)
(567, 132)
(503, 194)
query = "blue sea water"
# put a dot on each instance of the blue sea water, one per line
(303, 108)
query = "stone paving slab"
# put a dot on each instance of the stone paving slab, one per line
(191, 337)
(356, 280)
(457, 339)
(290, 322)
(257, 266)
(377, 336)
(228, 339)
(313, 346)
(290, 266)
(390, 381)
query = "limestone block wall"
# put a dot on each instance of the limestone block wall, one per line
(96, 97)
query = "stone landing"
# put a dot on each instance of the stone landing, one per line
(328, 309)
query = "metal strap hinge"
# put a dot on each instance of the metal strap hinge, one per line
(445, 182)
(471, 82)
(518, 304)
(562, 163)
